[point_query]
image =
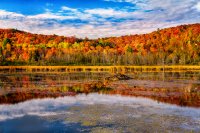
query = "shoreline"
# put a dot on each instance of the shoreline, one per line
(111, 69)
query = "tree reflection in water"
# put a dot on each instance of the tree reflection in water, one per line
(18, 88)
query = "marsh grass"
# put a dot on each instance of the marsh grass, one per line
(111, 69)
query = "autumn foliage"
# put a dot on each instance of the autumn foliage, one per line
(176, 45)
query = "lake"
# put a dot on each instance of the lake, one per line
(83, 102)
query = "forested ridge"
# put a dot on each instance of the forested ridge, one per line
(171, 46)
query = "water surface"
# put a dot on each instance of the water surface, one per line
(52, 103)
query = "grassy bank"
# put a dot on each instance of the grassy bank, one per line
(112, 69)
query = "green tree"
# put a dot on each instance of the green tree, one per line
(5, 42)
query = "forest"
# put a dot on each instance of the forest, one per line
(170, 46)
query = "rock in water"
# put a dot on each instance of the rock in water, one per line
(117, 77)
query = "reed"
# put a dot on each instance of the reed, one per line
(111, 69)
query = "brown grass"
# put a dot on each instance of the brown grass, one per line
(112, 69)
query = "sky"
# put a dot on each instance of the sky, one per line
(96, 18)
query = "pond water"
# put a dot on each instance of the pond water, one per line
(81, 102)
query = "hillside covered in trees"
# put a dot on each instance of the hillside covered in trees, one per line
(172, 46)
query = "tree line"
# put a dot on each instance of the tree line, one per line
(172, 46)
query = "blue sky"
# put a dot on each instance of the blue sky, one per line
(96, 18)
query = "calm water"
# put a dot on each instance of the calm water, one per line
(150, 102)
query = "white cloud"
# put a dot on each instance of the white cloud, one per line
(197, 6)
(171, 6)
(91, 31)
(162, 11)
(107, 12)
(5, 14)
(137, 2)
(161, 14)
(65, 8)
(50, 16)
